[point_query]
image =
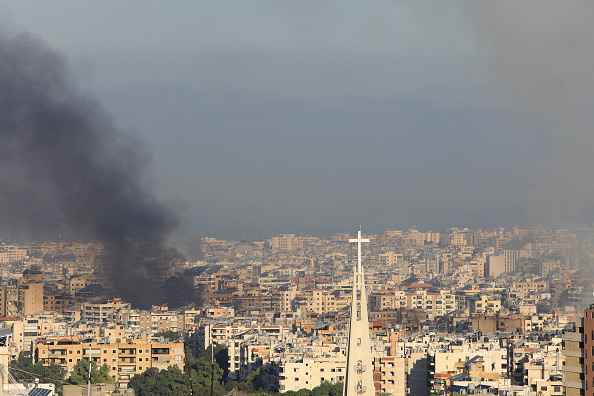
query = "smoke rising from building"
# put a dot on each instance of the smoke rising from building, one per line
(65, 168)
(542, 57)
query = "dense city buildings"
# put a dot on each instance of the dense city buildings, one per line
(504, 311)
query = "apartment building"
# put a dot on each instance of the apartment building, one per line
(157, 322)
(435, 302)
(578, 350)
(74, 284)
(390, 259)
(389, 375)
(288, 242)
(390, 300)
(125, 359)
(308, 373)
(104, 312)
(483, 304)
(30, 298)
(12, 253)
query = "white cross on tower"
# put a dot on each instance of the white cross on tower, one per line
(359, 240)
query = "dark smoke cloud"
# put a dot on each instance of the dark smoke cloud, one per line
(65, 168)
(542, 57)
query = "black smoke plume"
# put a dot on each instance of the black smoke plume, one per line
(65, 168)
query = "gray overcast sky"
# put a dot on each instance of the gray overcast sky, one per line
(265, 117)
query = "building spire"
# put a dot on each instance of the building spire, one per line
(359, 240)
(359, 370)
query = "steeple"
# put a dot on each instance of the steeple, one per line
(359, 372)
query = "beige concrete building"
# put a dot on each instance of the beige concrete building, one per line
(30, 298)
(391, 378)
(483, 304)
(125, 359)
(102, 313)
(12, 253)
(310, 372)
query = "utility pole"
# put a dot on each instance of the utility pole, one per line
(90, 366)
(212, 369)
(2, 374)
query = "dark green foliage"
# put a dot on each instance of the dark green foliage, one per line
(152, 382)
(173, 336)
(52, 373)
(324, 389)
(99, 375)
(253, 384)
(327, 389)
(221, 357)
(201, 374)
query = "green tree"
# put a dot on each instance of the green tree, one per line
(201, 375)
(328, 389)
(173, 336)
(221, 357)
(337, 389)
(24, 370)
(99, 375)
(152, 382)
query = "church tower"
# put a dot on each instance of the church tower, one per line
(359, 372)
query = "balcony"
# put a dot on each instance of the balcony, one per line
(127, 352)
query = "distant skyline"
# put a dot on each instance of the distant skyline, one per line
(271, 117)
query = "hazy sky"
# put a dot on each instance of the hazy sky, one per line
(267, 117)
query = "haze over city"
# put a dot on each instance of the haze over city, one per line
(270, 117)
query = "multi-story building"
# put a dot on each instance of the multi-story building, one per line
(435, 302)
(30, 298)
(104, 312)
(289, 241)
(390, 375)
(125, 359)
(12, 253)
(484, 304)
(390, 259)
(74, 284)
(578, 350)
(307, 373)
(160, 321)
